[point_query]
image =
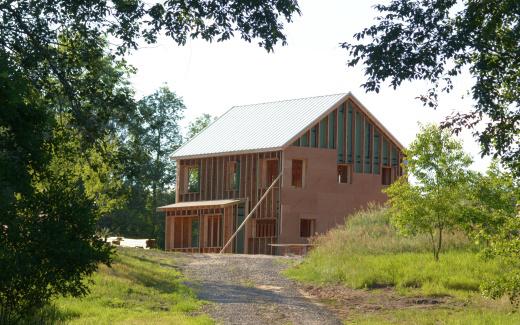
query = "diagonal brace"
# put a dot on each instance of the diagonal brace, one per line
(251, 213)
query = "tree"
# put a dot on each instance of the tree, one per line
(433, 200)
(47, 242)
(199, 124)
(495, 222)
(436, 40)
(159, 131)
(55, 59)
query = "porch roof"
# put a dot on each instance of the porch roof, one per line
(196, 204)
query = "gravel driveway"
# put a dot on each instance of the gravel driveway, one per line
(249, 289)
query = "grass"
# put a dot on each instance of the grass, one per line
(367, 253)
(454, 316)
(141, 287)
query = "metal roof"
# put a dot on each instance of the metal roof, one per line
(258, 127)
(217, 203)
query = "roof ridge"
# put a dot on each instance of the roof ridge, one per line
(289, 100)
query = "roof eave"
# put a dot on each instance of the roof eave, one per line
(227, 153)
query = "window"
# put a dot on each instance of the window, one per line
(307, 227)
(297, 173)
(344, 174)
(232, 176)
(386, 176)
(265, 228)
(191, 179)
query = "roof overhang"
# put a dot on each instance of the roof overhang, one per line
(227, 153)
(198, 204)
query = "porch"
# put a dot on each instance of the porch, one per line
(200, 226)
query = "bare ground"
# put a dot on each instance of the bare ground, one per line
(349, 303)
(249, 289)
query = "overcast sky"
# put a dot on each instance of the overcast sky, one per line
(212, 77)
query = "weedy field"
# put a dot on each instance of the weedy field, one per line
(391, 279)
(141, 287)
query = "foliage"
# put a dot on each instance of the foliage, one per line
(433, 201)
(497, 223)
(144, 166)
(368, 253)
(97, 167)
(66, 104)
(159, 133)
(47, 222)
(436, 40)
(494, 197)
(199, 124)
(48, 247)
(35, 33)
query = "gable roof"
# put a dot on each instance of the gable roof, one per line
(264, 127)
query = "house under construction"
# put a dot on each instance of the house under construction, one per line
(272, 174)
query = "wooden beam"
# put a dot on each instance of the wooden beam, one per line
(250, 213)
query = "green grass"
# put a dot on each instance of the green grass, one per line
(368, 253)
(458, 273)
(453, 316)
(141, 287)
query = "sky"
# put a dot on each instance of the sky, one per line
(213, 77)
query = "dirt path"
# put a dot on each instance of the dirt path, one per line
(249, 289)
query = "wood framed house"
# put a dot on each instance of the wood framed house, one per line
(278, 173)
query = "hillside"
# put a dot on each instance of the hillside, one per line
(141, 287)
(371, 275)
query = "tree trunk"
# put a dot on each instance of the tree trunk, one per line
(432, 240)
(439, 244)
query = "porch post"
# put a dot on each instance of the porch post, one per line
(200, 232)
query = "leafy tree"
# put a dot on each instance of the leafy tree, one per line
(159, 131)
(148, 173)
(199, 124)
(436, 40)
(494, 200)
(55, 61)
(47, 222)
(505, 244)
(433, 201)
(495, 222)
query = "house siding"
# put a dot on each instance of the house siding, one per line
(322, 197)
